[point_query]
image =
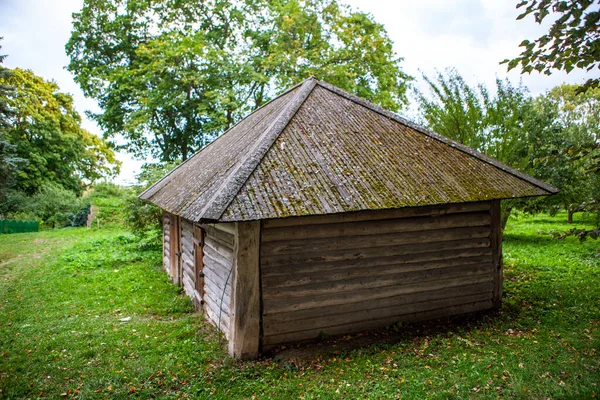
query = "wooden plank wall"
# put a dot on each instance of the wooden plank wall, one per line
(357, 271)
(188, 265)
(167, 242)
(219, 242)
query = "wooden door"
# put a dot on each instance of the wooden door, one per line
(199, 259)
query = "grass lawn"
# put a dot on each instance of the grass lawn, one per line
(90, 314)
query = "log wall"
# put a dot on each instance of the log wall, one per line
(167, 242)
(219, 243)
(350, 272)
(188, 267)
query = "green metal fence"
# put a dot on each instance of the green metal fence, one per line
(13, 226)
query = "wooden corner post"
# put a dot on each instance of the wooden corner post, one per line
(245, 312)
(496, 244)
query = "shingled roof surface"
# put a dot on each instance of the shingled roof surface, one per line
(319, 150)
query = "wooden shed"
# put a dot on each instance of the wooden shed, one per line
(321, 213)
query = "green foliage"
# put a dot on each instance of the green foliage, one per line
(5, 90)
(170, 76)
(53, 205)
(568, 125)
(573, 40)
(108, 190)
(536, 135)
(455, 109)
(65, 330)
(45, 132)
(10, 162)
(144, 218)
(110, 203)
(491, 124)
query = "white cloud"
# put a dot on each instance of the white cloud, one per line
(470, 35)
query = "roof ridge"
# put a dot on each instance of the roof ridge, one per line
(452, 143)
(155, 187)
(242, 170)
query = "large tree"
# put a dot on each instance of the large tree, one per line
(44, 130)
(490, 123)
(568, 157)
(573, 40)
(10, 162)
(537, 135)
(170, 76)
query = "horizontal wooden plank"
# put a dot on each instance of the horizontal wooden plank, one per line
(225, 227)
(365, 253)
(190, 274)
(219, 243)
(363, 316)
(220, 235)
(216, 284)
(217, 268)
(302, 278)
(375, 215)
(217, 257)
(376, 227)
(224, 251)
(377, 240)
(292, 304)
(187, 243)
(372, 282)
(188, 259)
(188, 286)
(270, 341)
(214, 298)
(213, 317)
(392, 301)
(373, 262)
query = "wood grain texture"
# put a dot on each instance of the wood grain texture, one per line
(496, 245)
(166, 231)
(188, 264)
(245, 316)
(377, 303)
(378, 215)
(351, 272)
(217, 257)
(334, 230)
(274, 340)
(175, 247)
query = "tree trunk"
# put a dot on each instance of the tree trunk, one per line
(505, 210)
(570, 216)
(184, 152)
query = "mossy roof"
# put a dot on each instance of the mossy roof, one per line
(317, 149)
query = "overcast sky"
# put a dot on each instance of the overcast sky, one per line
(472, 36)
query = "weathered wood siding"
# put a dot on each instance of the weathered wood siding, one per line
(188, 281)
(351, 272)
(167, 242)
(219, 242)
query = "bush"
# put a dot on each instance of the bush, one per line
(16, 206)
(55, 205)
(143, 217)
(109, 190)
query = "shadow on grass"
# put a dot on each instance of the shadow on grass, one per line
(514, 312)
(372, 341)
(517, 239)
